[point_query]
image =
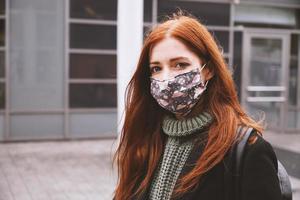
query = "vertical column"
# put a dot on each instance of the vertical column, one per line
(6, 74)
(129, 42)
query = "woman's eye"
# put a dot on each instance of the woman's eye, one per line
(181, 65)
(154, 69)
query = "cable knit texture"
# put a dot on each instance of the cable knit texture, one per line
(177, 149)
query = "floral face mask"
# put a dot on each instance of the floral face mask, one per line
(180, 93)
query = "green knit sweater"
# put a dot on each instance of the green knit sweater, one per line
(176, 151)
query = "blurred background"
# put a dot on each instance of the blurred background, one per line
(62, 69)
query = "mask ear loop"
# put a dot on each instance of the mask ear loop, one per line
(200, 71)
(206, 83)
(202, 67)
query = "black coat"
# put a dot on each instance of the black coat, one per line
(258, 175)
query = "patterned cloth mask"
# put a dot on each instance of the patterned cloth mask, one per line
(180, 93)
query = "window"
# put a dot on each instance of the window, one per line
(237, 61)
(87, 66)
(267, 16)
(293, 78)
(93, 95)
(87, 36)
(94, 9)
(92, 58)
(204, 11)
(222, 39)
(147, 10)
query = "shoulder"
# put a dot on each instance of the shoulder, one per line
(259, 171)
(258, 149)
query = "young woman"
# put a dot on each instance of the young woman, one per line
(182, 116)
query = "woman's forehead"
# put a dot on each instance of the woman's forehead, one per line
(169, 49)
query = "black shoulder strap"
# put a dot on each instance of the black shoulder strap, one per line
(232, 162)
(239, 155)
(241, 146)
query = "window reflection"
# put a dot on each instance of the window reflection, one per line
(148, 10)
(2, 7)
(2, 32)
(2, 64)
(94, 9)
(294, 79)
(204, 11)
(263, 16)
(222, 38)
(266, 68)
(93, 95)
(2, 95)
(87, 36)
(92, 66)
(237, 61)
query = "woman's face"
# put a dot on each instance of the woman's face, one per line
(171, 57)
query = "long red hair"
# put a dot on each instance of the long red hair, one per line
(142, 141)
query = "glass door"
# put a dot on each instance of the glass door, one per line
(264, 76)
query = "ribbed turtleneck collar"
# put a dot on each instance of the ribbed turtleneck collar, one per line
(174, 127)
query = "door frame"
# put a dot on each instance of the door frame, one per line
(249, 33)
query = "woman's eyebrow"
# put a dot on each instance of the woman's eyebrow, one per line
(179, 58)
(172, 59)
(155, 62)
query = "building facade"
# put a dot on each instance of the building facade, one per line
(58, 62)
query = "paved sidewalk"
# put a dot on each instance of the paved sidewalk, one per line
(73, 170)
(63, 170)
(289, 142)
